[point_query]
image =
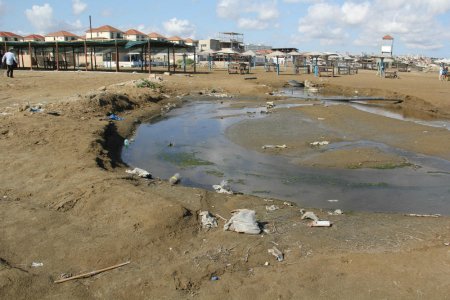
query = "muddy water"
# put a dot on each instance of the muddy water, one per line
(191, 141)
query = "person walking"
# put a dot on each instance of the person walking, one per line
(11, 61)
(441, 72)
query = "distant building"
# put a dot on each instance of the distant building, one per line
(209, 44)
(191, 42)
(176, 40)
(105, 32)
(285, 50)
(61, 36)
(6, 36)
(135, 35)
(34, 38)
(256, 47)
(231, 40)
(154, 36)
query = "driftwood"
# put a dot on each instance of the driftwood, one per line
(92, 273)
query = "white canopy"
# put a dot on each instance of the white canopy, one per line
(294, 53)
(228, 51)
(206, 52)
(276, 54)
(249, 53)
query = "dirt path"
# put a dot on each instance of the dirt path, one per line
(66, 201)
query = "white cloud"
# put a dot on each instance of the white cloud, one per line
(354, 13)
(2, 8)
(41, 17)
(78, 7)
(412, 22)
(249, 14)
(183, 28)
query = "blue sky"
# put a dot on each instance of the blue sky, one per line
(354, 26)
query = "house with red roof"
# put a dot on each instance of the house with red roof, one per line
(61, 36)
(176, 40)
(105, 32)
(154, 36)
(191, 42)
(6, 36)
(135, 35)
(34, 38)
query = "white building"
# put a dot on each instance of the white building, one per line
(135, 35)
(154, 36)
(105, 32)
(34, 38)
(6, 36)
(209, 44)
(61, 36)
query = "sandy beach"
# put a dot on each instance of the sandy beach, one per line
(66, 201)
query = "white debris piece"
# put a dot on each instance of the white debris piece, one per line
(333, 200)
(337, 212)
(37, 264)
(319, 143)
(270, 104)
(208, 220)
(320, 224)
(139, 172)
(223, 187)
(310, 215)
(243, 220)
(274, 146)
(272, 208)
(175, 179)
(277, 253)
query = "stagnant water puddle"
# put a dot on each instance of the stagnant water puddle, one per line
(190, 140)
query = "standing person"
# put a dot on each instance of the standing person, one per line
(10, 59)
(441, 72)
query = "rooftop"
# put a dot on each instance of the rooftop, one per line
(134, 32)
(9, 34)
(61, 33)
(105, 28)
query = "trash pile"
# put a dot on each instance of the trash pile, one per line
(208, 220)
(223, 188)
(243, 221)
(139, 172)
(315, 220)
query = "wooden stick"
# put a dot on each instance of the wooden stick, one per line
(92, 273)
(221, 217)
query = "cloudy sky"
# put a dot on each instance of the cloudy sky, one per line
(418, 26)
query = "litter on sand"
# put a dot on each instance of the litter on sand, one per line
(89, 274)
(115, 117)
(243, 220)
(223, 187)
(208, 220)
(274, 146)
(270, 104)
(37, 264)
(277, 253)
(419, 215)
(175, 179)
(320, 224)
(319, 143)
(337, 212)
(139, 172)
(310, 215)
(272, 208)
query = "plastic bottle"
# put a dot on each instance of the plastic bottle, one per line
(126, 143)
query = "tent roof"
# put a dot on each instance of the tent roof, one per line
(249, 53)
(276, 54)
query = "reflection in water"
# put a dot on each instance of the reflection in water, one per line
(191, 141)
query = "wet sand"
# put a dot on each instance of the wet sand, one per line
(67, 202)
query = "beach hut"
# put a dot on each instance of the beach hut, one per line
(209, 54)
(277, 54)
